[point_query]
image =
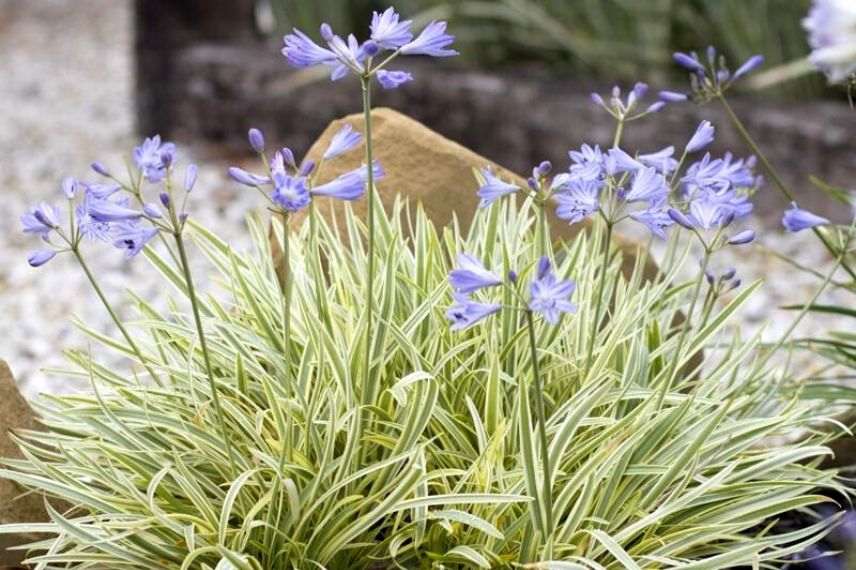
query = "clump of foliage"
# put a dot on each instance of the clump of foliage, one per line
(322, 412)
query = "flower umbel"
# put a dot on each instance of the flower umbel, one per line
(388, 33)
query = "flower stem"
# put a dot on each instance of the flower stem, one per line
(547, 490)
(113, 315)
(619, 130)
(285, 280)
(604, 266)
(774, 176)
(194, 304)
(685, 329)
(368, 384)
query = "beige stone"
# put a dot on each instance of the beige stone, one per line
(16, 505)
(425, 167)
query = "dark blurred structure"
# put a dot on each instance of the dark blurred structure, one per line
(205, 73)
(164, 29)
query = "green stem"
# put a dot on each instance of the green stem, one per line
(542, 229)
(673, 367)
(285, 283)
(368, 384)
(600, 291)
(215, 396)
(113, 315)
(774, 176)
(542, 427)
(619, 130)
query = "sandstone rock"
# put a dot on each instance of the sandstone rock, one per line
(427, 168)
(15, 505)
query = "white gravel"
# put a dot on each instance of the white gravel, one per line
(67, 100)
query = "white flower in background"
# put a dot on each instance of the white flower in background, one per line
(831, 26)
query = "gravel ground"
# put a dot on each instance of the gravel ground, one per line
(69, 101)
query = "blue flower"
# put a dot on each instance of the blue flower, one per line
(351, 185)
(344, 140)
(101, 191)
(433, 41)
(702, 138)
(549, 295)
(302, 52)
(831, 27)
(108, 211)
(471, 275)
(291, 193)
(706, 214)
(578, 200)
(349, 55)
(720, 175)
(388, 32)
(662, 160)
(466, 312)
(86, 224)
(493, 188)
(588, 163)
(241, 176)
(41, 220)
(40, 257)
(393, 79)
(796, 219)
(656, 219)
(648, 186)
(154, 157)
(132, 238)
(618, 161)
(712, 78)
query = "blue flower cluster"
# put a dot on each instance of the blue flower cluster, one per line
(105, 210)
(653, 189)
(292, 187)
(710, 76)
(548, 295)
(388, 33)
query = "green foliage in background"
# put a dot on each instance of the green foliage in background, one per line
(626, 39)
(440, 470)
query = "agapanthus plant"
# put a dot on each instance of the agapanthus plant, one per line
(267, 439)
(390, 37)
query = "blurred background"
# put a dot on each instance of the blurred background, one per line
(85, 80)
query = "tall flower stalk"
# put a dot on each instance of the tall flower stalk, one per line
(368, 384)
(177, 223)
(348, 56)
(549, 297)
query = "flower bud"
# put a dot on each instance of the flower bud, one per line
(190, 177)
(40, 257)
(99, 168)
(257, 140)
(164, 199)
(151, 211)
(69, 187)
(744, 237)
